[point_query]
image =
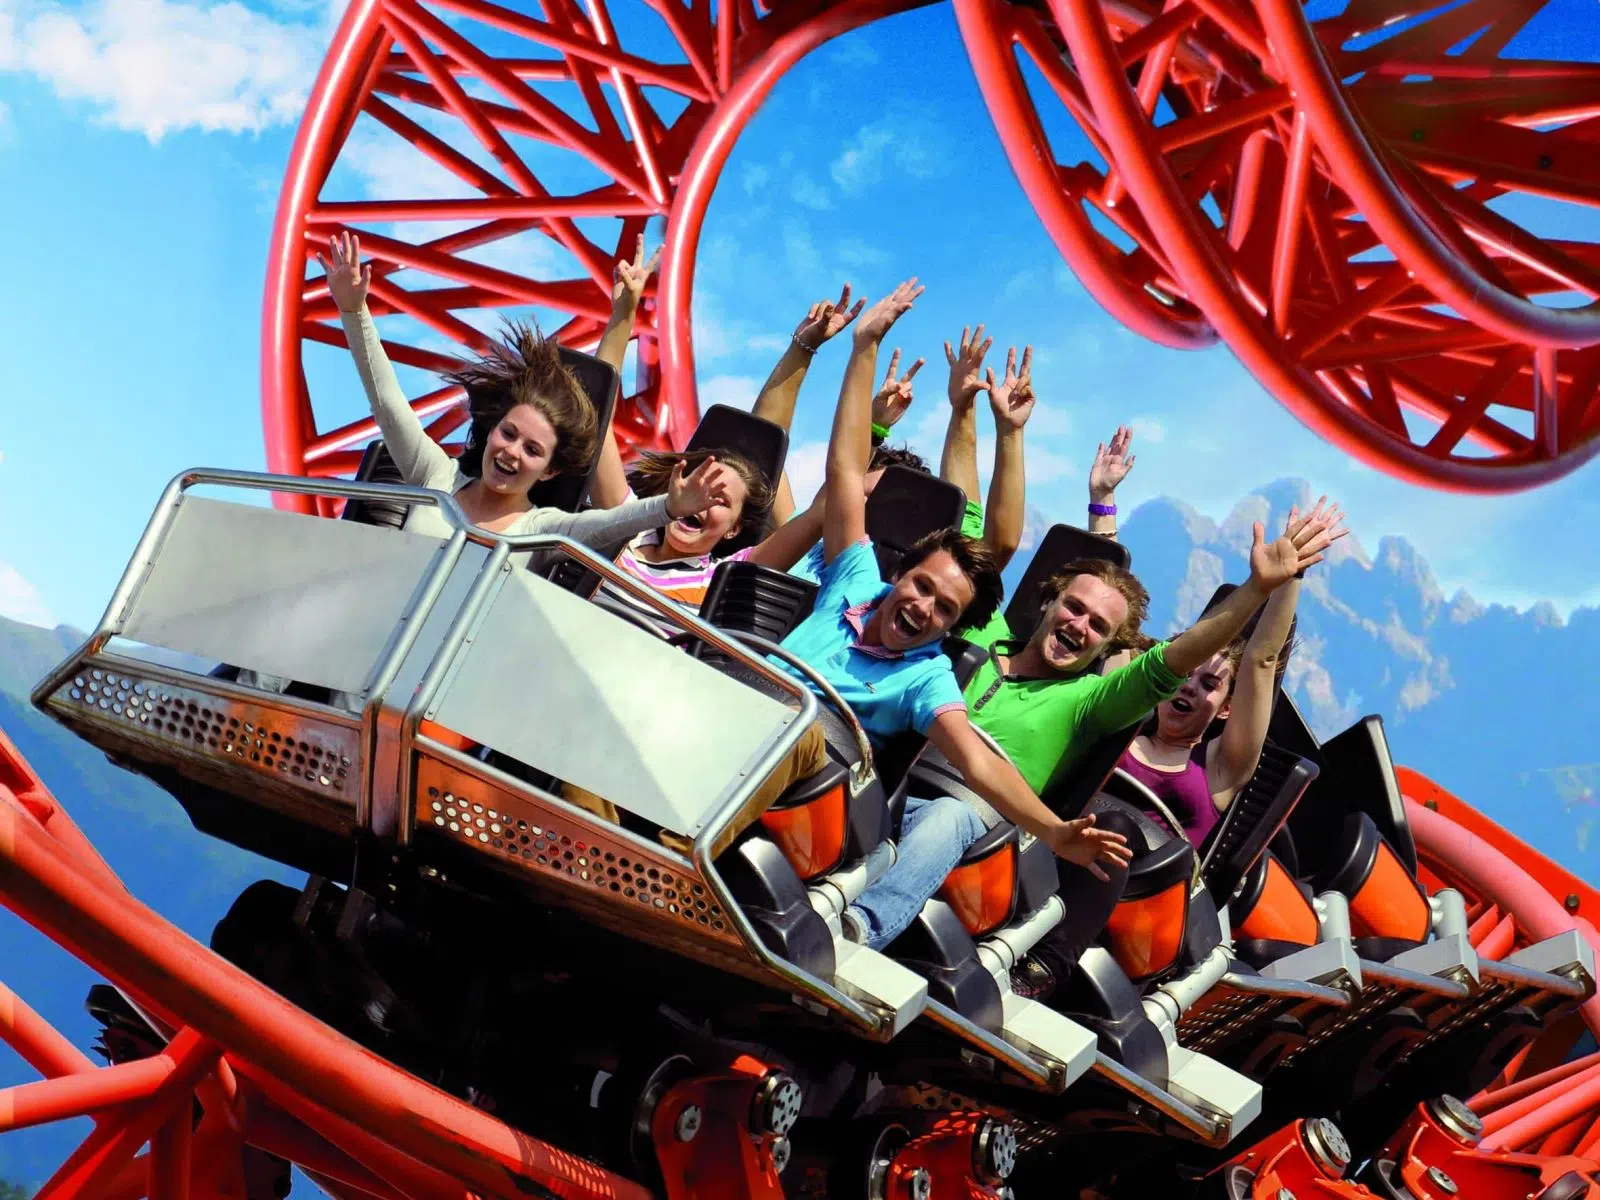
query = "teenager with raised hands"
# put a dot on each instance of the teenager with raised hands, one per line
(530, 421)
(1196, 778)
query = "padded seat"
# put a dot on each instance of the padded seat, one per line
(906, 507)
(1061, 545)
(1389, 911)
(1257, 814)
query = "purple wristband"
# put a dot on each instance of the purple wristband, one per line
(1102, 510)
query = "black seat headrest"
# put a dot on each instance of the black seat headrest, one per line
(1061, 545)
(377, 466)
(1253, 820)
(1357, 776)
(761, 441)
(745, 597)
(904, 508)
(1221, 594)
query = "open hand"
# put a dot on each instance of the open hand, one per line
(880, 318)
(348, 279)
(1301, 547)
(1012, 398)
(894, 397)
(826, 318)
(966, 368)
(628, 278)
(1080, 842)
(1111, 465)
(690, 492)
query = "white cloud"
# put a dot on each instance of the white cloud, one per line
(879, 147)
(159, 66)
(1148, 429)
(854, 50)
(737, 391)
(808, 193)
(807, 464)
(21, 601)
(754, 178)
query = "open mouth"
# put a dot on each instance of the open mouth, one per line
(693, 523)
(1180, 705)
(905, 624)
(503, 471)
(1066, 643)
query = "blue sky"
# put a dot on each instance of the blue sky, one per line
(145, 141)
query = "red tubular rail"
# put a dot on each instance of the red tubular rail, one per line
(357, 1101)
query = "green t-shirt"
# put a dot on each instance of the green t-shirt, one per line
(1046, 724)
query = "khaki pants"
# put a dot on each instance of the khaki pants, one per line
(810, 755)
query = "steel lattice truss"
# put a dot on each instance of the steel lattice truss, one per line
(1347, 203)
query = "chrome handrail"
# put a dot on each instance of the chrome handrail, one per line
(864, 767)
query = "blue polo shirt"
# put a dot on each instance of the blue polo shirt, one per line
(889, 692)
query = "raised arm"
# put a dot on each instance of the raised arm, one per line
(775, 402)
(998, 782)
(628, 279)
(850, 447)
(1111, 466)
(1012, 401)
(959, 462)
(417, 455)
(1272, 564)
(789, 542)
(1233, 758)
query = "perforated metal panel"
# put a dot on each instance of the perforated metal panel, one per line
(285, 760)
(590, 862)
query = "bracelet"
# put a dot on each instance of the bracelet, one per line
(794, 338)
(1102, 510)
(879, 433)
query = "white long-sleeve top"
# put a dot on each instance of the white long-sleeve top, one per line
(424, 464)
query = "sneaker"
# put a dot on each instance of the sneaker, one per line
(1032, 980)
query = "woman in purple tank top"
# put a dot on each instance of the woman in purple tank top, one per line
(1197, 779)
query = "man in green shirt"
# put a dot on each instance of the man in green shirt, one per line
(1042, 703)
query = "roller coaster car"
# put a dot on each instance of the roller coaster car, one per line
(1337, 898)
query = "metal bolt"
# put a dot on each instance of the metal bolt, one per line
(1442, 1181)
(688, 1123)
(1456, 1117)
(1572, 902)
(1327, 1145)
(920, 1184)
(995, 1151)
(781, 1152)
(1546, 162)
(777, 1105)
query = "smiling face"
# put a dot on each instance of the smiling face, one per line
(1078, 624)
(699, 533)
(925, 603)
(517, 452)
(1204, 697)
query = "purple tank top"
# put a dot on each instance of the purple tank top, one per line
(1184, 792)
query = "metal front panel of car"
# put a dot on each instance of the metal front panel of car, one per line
(557, 683)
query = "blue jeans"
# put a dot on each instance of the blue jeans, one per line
(933, 836)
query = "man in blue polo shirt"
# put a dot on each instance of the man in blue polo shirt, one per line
(878, 643)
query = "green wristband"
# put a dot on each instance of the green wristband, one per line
(879, 432)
